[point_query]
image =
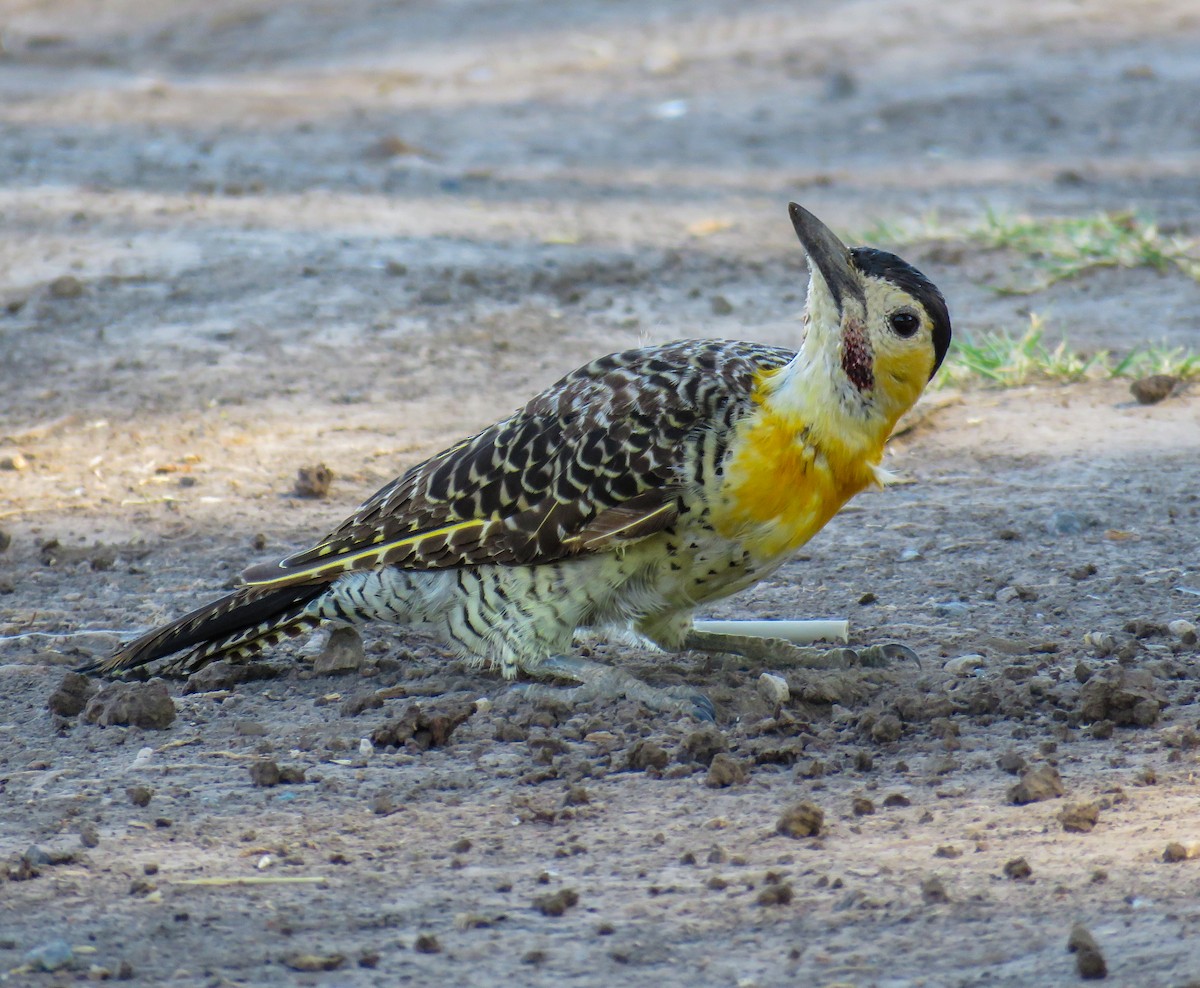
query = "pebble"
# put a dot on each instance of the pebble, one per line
(702, 745)
(965, 665)
(50, 956)
(721, 306)
(65, 286)
(1153, 389)
(314, 962)
(1079, 818)
(1089, 962)
(1017, 869)
(89, 835)
(145, 705)
(140, 795)
(1037, 784)
(646, 754)
(774, 689)
(724, 771)
(12, 459)
(952, 609)
(803, 819)
(1011, 762)
(343, 653)
(427, 943)
(1067, 522)
(1185, 631)
(896, 799)
(1175, 852)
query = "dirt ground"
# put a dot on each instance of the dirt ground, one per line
(244, 236)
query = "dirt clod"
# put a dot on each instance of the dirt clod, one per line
(804, 819)
(1036, 784)
(146, 705)
(223, 675)
(933, 890)
(725, 770)
(1017, 869)
(264, 773)
(702, 745)
(425, 727)
(89, 835)
(861, 806)
(72, 695)
(646, 754)
(139, 795)
(777, 894)
(313, 481)
(1175, 852)
(1089, 962)
(427, 943)
(1127, 697)
(1079, 818)
(556, 903)
(886, 729)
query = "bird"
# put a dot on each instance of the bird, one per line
(636, 489)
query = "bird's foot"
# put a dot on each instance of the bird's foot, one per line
(605, 682)
(784, 654)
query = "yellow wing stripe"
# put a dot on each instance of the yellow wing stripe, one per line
(364, 558)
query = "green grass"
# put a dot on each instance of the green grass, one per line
(1056, 248)
(1003, 360)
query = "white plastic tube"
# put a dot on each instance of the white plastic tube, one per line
(796, 632)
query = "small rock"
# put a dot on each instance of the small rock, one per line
(1082, 572)
(1185, 631)
(862, 806)
(72, 695)
(313, 481)
(952, 609)
(65, 286)
(1153, 389)
(51, 956)
(886, 729)
(426, 728)
(145, 705)
(774, 689)
(427, 943)
(556, 903)
(965, 665)
(721, 306)
(1175, 852)
(5, 542)
(314, 962)
(382, 804)
(801, 820)
(435, 295)
(1089, 962)
(1036, 785)
(1102, 730)
(896, 799)
(1079, 818)
(777, 894)
(291, 775)
(933, 890)
(89, 835)
(948, 851)
(343, 653)
(1017, 869)
(724, 771)
(264, 773)
(13, 459)
(1067, 522)
(1011, 762)
(139, 795)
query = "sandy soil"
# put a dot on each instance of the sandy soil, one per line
(244, 236)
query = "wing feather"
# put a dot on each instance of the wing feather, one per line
(596, 461)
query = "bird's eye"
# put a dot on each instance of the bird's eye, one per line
(904, 323)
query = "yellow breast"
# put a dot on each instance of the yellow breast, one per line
(783, 482)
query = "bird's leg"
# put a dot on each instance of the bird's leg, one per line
(783, 653)
(600, 681)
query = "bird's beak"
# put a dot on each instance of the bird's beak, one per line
(828, 255)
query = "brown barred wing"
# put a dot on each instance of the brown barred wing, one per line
(594, 461)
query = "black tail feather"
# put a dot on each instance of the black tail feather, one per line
(233, 624)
